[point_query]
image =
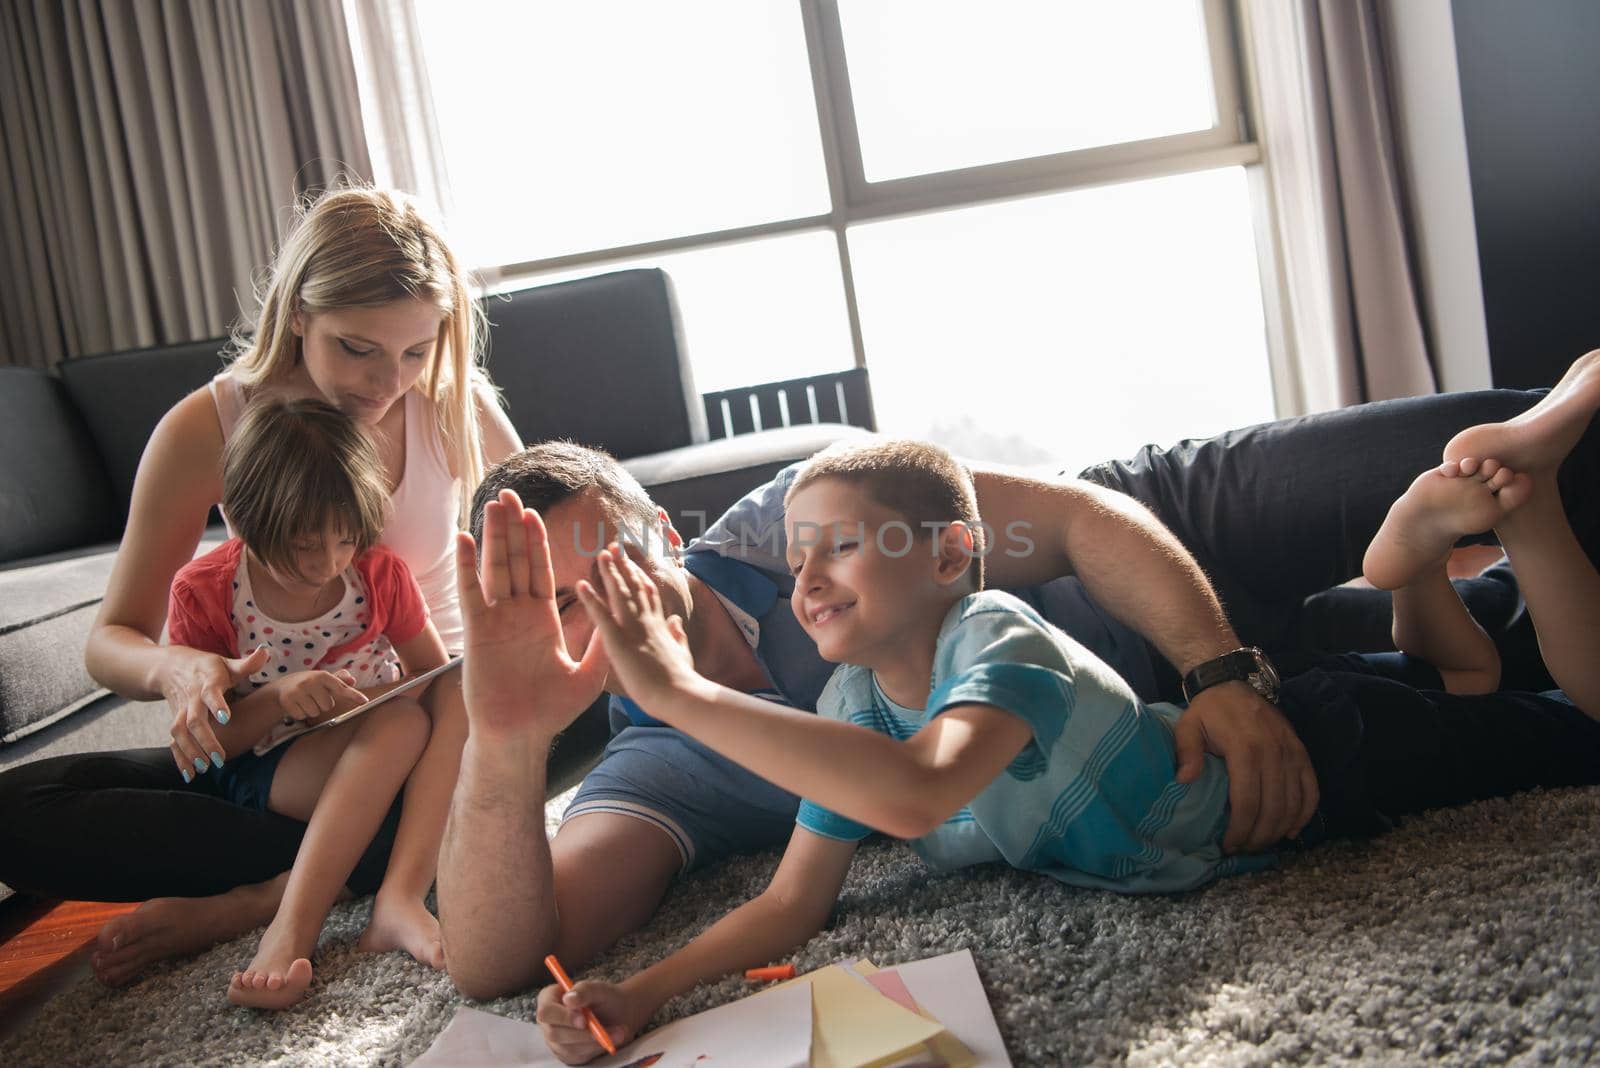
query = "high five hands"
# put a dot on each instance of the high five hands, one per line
(648, 650)
(518, 677)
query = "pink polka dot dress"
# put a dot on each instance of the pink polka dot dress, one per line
(303, 646)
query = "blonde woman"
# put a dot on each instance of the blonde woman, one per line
(365, 308)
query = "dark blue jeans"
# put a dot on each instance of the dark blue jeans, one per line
(1386, 741)
(1281, 513)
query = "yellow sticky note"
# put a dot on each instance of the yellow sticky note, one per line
(944, 1047)
(854, 1026)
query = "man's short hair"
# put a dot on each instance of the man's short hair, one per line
(546, 474)
(293, 465)
(918, 481)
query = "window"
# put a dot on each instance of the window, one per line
(1029, 221)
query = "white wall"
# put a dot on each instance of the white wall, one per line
(1433, 143)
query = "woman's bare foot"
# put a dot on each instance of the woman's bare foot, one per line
(1541, 437)
(177, 926)
(400, 921)
(1443, 505)
(281, 971)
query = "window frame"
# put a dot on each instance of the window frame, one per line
(853, 199)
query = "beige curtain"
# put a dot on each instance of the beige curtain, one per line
(397, 100)
(153, 149)
(1347, 287)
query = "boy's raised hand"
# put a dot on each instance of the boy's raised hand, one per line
(517, 675)
(560, 1018)
(648, 651)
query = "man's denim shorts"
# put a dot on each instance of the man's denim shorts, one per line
(709, 806)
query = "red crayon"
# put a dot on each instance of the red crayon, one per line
(776, 971)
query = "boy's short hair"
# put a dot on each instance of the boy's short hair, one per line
(918, 481)
(546, 474)
(290, 467)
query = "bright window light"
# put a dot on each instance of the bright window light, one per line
(756, 311)
(942, 84)
(1052, 331)
(1062, 330)
(569, 127)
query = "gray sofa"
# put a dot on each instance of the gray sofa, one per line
(599, 360)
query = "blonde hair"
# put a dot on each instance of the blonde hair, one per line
(919, 482)
(291, 468)
(359, 247)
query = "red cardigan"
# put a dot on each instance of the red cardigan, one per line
(201, 602)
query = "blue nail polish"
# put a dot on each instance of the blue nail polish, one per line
(200, 764)
(188, 776)
(216, 758)
(222, 715)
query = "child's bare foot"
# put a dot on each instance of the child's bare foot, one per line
(403, 922)
(176, 926)
(267, 989)
(1443, 505)
(279, 974)
(1541, 437)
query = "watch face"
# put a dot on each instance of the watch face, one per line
(1264, 679)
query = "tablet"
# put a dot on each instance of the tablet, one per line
(295, 728)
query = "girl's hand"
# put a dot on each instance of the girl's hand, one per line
(196, 691)
(313, 694)
(648, 651)
(560, 1018)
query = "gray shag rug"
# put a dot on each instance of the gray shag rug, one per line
(1468, 936)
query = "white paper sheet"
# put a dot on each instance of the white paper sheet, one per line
(949, 988)
(769, 1028)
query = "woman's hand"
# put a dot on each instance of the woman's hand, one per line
(560, 1018)
(649, 652)
(196, 691)
(313, 694)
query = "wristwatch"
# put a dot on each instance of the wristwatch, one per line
(1245, 665)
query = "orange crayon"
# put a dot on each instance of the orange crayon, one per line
(595, 1029)
(776, 971)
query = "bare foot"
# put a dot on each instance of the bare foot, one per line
(281, 971)
(403, 922)
(1541, 437)
(1443, 505)
(177, 926)
(271, 989)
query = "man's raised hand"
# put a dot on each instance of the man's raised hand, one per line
(518, 677)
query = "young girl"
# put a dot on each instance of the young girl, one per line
(366, 308)
(961, 720)
(305, 587)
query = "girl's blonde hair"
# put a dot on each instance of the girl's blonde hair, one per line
(358, 247)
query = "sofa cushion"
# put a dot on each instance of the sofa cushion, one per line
(696, 484)
(597, 360)
(45, 611)
(123, 395)
(53, 487)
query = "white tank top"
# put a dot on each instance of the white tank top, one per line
(421, 525)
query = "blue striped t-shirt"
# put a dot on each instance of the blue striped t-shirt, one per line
(1091, 800)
